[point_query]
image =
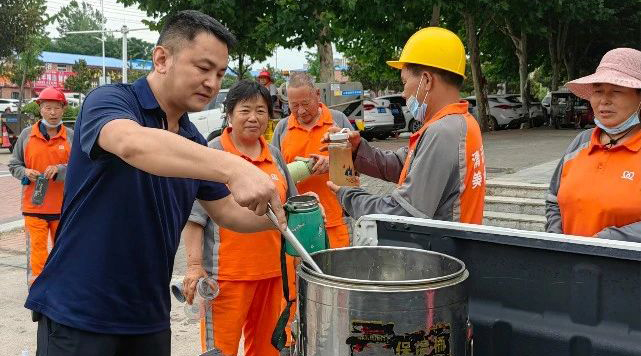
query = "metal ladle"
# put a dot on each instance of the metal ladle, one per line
(289, 236)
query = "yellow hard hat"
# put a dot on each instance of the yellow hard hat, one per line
(434, 47)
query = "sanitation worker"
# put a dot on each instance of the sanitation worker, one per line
(42, 150)
(441, 173)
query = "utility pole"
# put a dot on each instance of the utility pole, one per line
(102, 38)
(124, 30)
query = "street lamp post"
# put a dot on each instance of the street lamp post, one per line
(124, 30)
(102, 38)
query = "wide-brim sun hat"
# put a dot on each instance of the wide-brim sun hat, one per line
(620, 66)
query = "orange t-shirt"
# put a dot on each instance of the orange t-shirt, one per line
(298, 141)
(254, 256)
(601, 187)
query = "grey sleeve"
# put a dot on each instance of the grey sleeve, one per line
(631, 232)
(386, 165)
(16, 163)
(282, 167)
(431, 176)
(279, 132)
(552, 210)
(341, 120)
(62, 168)
(198, 214)
(356, 202)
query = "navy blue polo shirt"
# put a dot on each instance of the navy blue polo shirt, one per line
(111, 265)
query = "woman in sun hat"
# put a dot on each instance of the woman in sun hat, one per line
(596, 189)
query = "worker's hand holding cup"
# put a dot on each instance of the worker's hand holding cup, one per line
(354, 138)
(193, 274)
(321, 164)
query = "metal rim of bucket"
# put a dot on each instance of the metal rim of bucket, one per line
(410, 282)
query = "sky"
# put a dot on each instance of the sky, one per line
(118, 15)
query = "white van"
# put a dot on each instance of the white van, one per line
(210, 120)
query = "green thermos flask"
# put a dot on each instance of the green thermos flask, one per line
(305, 220)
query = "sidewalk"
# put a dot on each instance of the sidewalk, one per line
(10, 191)
(539, 174)
(18, 332)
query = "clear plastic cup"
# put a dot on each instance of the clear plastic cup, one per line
(206, 290)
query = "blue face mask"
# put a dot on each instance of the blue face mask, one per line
(49, 125)
(417, 110)
(622, 127)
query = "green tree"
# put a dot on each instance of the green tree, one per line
(19, 21)
(373, 32)
(25, 66)
(228, 81)
(138, 49)
(313, 64)
(311, 23)
(474, 16)
(255, 34)
(81, 17)
(521, 30)
(135, 74)
(82, 79)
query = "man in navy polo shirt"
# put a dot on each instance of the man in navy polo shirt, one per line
(137, 165)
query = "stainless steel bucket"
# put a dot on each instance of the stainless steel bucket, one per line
(383, 301)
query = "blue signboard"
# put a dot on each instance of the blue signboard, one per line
(352, 92)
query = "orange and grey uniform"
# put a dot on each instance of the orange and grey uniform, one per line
(293, 141)
(440, 175)
(34, 149)
(247, 267)
(596, 191)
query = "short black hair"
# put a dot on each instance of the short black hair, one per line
(246, 90)
(187, 24)
(448, 77)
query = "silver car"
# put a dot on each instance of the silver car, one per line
(503, 112)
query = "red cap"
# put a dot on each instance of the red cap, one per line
(51, 93)
(264, 74)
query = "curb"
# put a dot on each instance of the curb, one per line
(12, 226)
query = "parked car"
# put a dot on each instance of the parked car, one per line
(209, 121)
(379, 120)
(471, 108)
(568, 110)
(503, 112)
(411, 125)
(8, 105)
(536, 109)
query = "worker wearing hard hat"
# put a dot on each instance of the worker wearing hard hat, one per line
(265, 79)
(441, 174)
(42, 152)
